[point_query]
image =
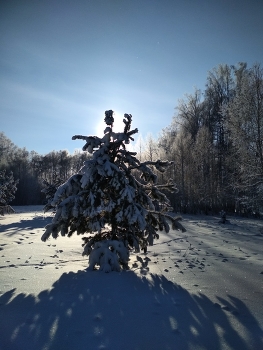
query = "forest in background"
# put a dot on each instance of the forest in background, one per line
(215, 140)
(32, 169)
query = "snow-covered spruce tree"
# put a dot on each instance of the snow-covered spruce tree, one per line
(7, 191)
(105, 200)
(50, 189)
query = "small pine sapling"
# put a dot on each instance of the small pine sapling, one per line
(105, 200)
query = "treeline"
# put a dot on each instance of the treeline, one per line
(31, 169)
(216, 142)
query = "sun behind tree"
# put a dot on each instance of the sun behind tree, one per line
(107, 200)
(118, 124)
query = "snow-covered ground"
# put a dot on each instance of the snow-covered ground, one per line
(202, 289)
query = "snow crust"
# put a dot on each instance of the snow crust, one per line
(201, 289)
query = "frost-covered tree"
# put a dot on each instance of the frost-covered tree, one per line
(7, 191)
(246, 127)
(116, 209)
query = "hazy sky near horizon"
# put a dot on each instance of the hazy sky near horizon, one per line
(63, 63)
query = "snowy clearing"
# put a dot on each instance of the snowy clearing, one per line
(202, 289)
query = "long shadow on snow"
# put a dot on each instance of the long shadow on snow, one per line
(93, 310)
(30, 224)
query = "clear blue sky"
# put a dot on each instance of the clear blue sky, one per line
(63, 63)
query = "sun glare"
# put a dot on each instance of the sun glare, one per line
(118, 124)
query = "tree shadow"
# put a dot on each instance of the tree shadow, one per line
(94, 310)
(39, 221)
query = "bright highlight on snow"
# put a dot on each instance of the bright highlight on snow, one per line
(115, 199)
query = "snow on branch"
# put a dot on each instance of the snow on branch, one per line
(92, 142)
